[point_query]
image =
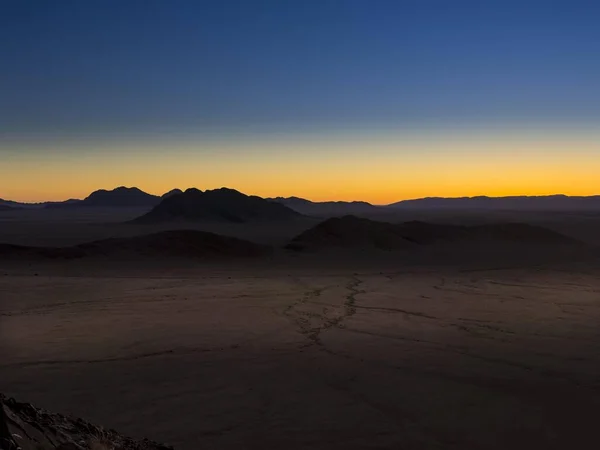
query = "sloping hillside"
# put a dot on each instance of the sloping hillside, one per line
(25, 427)
(166, 244)
(351, 232)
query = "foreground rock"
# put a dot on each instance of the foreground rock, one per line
(24, 427)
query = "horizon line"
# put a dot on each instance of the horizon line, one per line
(431, 197)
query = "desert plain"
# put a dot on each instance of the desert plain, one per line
(347, 350)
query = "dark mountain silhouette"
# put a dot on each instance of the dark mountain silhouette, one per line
(19, 205)
(23, 426)
(174, 243)
(119, 197)
(308, 207)
(351, 232)
(172, 192)
(523, 203)
(23, 205)
(70, 202)
(8, 203)
(221, 205)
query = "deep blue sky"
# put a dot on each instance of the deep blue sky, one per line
(84, 66)
(373, 99)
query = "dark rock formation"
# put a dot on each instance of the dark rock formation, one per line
(219, 205)
(25, 427)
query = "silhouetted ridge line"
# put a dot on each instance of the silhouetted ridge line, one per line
(538, 203)
(118, 197)
(172, 192)
(220, 205)
(308, 207)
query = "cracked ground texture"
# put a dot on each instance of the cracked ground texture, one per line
(411, 359)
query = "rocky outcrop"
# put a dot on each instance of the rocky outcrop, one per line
(25, 427)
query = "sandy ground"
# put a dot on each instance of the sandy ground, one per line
(319, 359)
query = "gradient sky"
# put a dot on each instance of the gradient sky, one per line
(326, 99)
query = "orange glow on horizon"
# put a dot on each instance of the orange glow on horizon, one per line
(380, 170)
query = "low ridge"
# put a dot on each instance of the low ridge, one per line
(308, 207)
(513, 203)
(173, 243)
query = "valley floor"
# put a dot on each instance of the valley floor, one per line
(230, 359)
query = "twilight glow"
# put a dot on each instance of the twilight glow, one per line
(350, 100)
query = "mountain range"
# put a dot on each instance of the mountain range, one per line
(135, 197)
(514, 203)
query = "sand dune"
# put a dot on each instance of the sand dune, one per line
(349, 232)
(352, 232)
(510, 203)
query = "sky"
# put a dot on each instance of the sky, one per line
(370, 100)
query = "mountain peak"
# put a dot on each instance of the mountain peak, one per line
(172, 192)
(220, 205)
(120, 196)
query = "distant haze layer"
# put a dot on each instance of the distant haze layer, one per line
(377, 166)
